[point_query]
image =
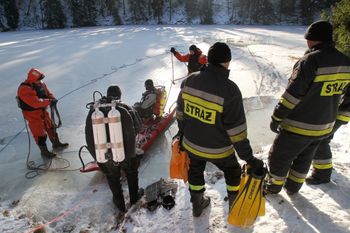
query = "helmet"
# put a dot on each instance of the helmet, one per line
(34, 75)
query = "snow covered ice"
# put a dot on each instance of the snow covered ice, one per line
(77, 62)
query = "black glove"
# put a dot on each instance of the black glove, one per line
(179, 135)
(274, 126)
(256, 164)
(173, 50)
(53, 101)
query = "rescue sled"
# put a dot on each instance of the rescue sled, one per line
(149, 132)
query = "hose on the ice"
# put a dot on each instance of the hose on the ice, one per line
(36, 170)
(92, 81)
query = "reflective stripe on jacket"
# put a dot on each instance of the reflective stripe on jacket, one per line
(310, 104)
(211, 116)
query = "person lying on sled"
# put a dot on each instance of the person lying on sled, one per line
(148, 100)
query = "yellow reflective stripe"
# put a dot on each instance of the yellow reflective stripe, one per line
(277, 182)
(204, 103)
(276, 118)
(343, 118)
(196, 187)
(232, 188)
(296, 179)
(239, 137)
(286, 103)
(332, 77)
(207, 155)
(306, 132)
(323, 166)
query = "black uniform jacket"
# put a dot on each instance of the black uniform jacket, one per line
(211, 116)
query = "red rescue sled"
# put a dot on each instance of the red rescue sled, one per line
(144, 139)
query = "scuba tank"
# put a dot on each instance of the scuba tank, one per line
(116, 134)
(100, 135)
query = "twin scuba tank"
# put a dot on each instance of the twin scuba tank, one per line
(115, 143)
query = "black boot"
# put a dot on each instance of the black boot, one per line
(56, 144)
(199, 203)
(231, 196)
(45, 152)
(120, 203)
(312, 180)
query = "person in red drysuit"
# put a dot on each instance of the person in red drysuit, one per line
(33, 98)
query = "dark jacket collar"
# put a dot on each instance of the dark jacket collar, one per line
(217, 69)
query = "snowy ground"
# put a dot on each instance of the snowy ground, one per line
(79, 61)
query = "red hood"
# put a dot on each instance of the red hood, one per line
(34, 75)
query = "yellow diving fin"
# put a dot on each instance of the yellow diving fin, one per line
(250, 201)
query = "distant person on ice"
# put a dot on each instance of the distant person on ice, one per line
(212, 126)
(148, 100)
(33, 98)
(309, 111)
(131, 162)
(195, 58)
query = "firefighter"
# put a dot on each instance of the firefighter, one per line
(212, 126)
(148, 100)
(322, 161)
(195, 58)
(308, 110)
(33, 98)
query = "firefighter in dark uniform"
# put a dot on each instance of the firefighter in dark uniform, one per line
(131, 163)
(212, 126)
(308, 110)
(322, 161)
(33, 98)
(195, 58)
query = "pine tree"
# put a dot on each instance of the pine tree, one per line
(84, 12)
(11, 13)
(53, 14)
(286, 9)
(191, 9)
(138, 10)
(306, 11)
(206, 12)
(340, 19)
(157, 8)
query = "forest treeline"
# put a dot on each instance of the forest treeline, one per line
(53, 14)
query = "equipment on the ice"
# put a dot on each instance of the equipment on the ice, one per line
(160, 192)
(158, 108)
(179, 162)
(250, 201)
(116, 134)
(115, 142)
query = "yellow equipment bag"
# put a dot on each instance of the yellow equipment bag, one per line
(250, 201)
(179, 162)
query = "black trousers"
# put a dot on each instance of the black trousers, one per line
(290, 157)
(322, 162)
(113, 174)
(230, 167)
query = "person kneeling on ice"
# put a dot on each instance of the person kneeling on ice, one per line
(109, 163)
(212, 126)
(148, 100)
(33, 98)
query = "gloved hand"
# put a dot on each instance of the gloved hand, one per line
(179, 135)
(256, 164)
(53, 101)
(274, 126)
(173, 50)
